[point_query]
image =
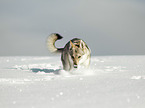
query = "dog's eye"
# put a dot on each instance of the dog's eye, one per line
(79, 56)
(72, 57)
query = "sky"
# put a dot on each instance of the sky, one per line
(109, 27)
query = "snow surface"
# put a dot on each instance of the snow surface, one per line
(39, 82)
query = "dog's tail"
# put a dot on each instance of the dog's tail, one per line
(52, 38)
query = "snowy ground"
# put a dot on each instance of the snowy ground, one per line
(39, 82)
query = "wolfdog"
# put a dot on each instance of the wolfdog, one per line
(75, 53)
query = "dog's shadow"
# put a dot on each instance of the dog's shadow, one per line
(54, 71)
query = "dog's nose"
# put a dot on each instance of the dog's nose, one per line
(75, 66)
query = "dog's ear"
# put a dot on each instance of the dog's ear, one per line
(82, 44)
(71, 44)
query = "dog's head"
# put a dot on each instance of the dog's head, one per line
(77, 50)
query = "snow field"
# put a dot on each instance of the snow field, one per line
(34, 82)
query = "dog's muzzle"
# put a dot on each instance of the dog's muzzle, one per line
(75, 66)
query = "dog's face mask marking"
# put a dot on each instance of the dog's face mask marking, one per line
(76, 52)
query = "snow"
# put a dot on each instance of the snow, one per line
(40, 82)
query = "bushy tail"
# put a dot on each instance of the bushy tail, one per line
(52, 38)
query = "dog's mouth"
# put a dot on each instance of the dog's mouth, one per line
(75, 66)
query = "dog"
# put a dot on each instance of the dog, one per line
(74, 54)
